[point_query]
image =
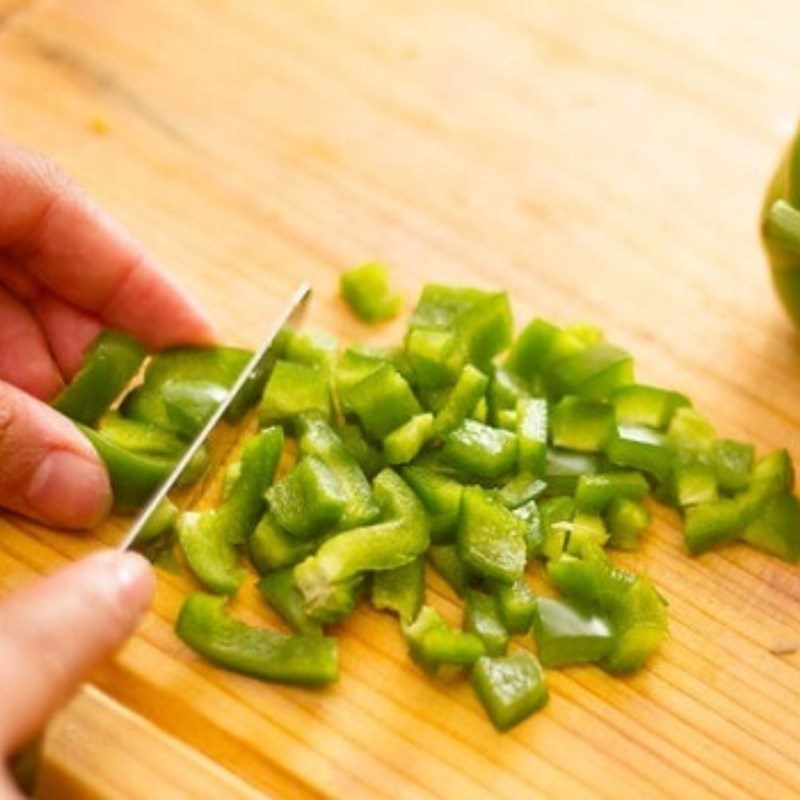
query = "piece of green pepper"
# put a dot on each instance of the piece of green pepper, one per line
(780, 228)
(108, 367)
(205, 625)
(280, 591)
(366, 290)
(511, 688)
(401, 590)
(401, 537)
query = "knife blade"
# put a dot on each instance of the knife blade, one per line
(257, 364)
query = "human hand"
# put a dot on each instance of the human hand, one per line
(66, 271)
(54, 631)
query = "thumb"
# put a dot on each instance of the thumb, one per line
(48, 470)
(53, 632)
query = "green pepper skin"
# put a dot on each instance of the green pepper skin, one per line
(270, 547)
(190, 404)
(441, 497)
(400, 538)
(446, 561)
(432, 642)
(481, 450)
(318, 439)
(401, 590)
(780, 229)
(366, 290)
(630, 603)
(134, 476)
(403, 444)
(567, 634)
(639, 404)
(294, 389)
(205, 625)
(510, 688)
(461, 400)
(383, 401)
(309, 499)
(531, 424)
(482, 616)
(239, 513)
(211, 555)
(220, 366)
(491, 539)
(517, 605)
(108, 367)
(281, 592)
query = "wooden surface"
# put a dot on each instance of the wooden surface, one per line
(96, 749)
(601, 161)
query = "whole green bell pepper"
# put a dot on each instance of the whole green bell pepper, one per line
(780, 228)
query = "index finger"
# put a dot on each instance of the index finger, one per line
(52, 230)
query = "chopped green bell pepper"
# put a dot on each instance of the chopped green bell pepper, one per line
(441, 497)
(383, 401)
(432, 642)
(491, 539)
(642, 448)
(134, 476)
(594, 373)
(313, 348)
(564, 469)
(584, 425)
(281, 592)
(294, 389)
(531, 422)
(401, 590)
(625, 520)
(777, 529)
(732, 463)
(107, 368)
(520, 490)
(206, 627)
(693, 483)
(366, 290)
(448, 564)
(403, 444)
(366, 455)
(400, 538)
(595, 493)
(516, 603)
(193, 365)
(510, 688)
(639, 404)
(568, 634)
(482, 616)
(480, 450)
(556, 522)
(318, 439)
(309, 499)
(461, 400)
(270, 547)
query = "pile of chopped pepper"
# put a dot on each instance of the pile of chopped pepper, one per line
(487, 456)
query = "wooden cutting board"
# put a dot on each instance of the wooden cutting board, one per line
(601, 161)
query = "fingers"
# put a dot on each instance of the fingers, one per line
(48, 470)
(53, 632)
(68, 245)
(25, 358)
(69, 330)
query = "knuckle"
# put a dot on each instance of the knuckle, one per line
(8, 414)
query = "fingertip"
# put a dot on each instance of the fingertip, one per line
(136, 582)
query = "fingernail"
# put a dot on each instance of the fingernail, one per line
(69, 491)
(135, 582)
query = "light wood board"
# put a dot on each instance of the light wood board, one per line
(601, 160)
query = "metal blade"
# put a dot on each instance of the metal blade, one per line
(259, 361)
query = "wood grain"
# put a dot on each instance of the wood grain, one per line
(95, 746)
(601, 161)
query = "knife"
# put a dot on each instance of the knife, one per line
(259, 364)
